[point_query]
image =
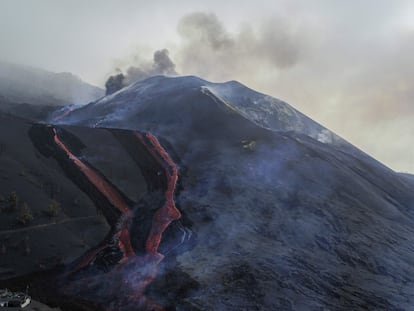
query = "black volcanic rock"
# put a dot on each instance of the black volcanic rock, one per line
(284, 215)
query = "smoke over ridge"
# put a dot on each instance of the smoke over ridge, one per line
(354, 80)
(161, 65)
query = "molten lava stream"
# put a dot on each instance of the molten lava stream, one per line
(136, 272)
(108, 191)
(168, 212)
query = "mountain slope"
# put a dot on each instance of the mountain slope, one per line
(180, 108)
(271, 216)
(150, 100)
(64, 220)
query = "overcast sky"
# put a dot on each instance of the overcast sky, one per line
(347, 64)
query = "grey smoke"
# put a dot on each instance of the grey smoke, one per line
(209, 50)
(114, 83)
(206, 29)
(161, 65)
(208, 46)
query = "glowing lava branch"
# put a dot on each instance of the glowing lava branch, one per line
(168, 212)
(134, 272)
(104, 187)
(63, 114)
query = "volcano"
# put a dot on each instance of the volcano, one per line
(217, 197)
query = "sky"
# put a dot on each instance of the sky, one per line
(346, 64)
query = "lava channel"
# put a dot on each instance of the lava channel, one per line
(130, 277)
(168, 212)
(113, 196)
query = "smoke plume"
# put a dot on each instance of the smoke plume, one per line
(353, 79)
(114, 83)
(347, 69)
(161, 65)
(208, 46)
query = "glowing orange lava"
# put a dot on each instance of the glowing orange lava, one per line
(168, 212)
(141, 270)
(108, 191)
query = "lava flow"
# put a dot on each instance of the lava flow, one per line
(168, 212)
(125, 284)
(108, 191)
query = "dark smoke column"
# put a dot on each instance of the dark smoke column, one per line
(161, 65)
(114, 83)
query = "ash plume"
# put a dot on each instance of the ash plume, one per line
(114, 83)
(161, 65)
(211, 50)
(205, 28)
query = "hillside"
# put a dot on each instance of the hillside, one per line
(57, 232)
(215, 197)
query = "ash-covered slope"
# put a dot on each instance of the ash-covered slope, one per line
(161, 102)
(276, 212)
(45, 219)
(287, 215)
(188, 108)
